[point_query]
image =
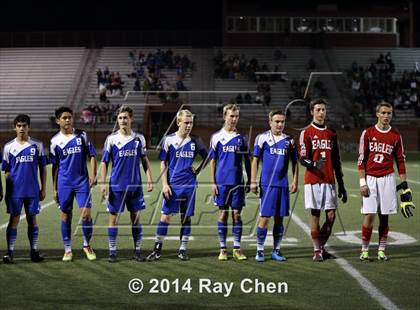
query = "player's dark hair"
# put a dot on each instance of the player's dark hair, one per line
(275, 112)
(62, 110)
(22, 118)
(317, 101)
(125, 108)
(383, 104)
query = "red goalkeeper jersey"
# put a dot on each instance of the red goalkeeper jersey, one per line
(316, 142)
(378, 149)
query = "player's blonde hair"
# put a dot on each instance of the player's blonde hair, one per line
(182, 113)
(230, 106)
(125, 108)
(383, 103)
(275, 112)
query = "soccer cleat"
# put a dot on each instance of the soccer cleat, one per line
(68, 256)
(317, 257)
(112, 258)
(154, 256)
(327, 255)
(182, 255)
(275, 255)
(237, 254)
(259, 257)
(364, 256)
(8, 259)
(382, 256)
(223, 255)
(36, 257)
(137, 256)
(90, 255)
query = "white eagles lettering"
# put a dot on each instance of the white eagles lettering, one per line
(321, 144)
(229, 148)
(72, 150)
(125, 153)
(380, 147)
(24, 159)
(277, 151)
(184, 154)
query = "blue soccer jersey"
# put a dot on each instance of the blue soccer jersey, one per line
(179, 155)
(22, 162)
(70, 154)
(125, 153)
(274, 153)
(228, 150)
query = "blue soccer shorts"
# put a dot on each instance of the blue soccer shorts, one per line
(134, 201)
(14, 205)
(66, 196)
(274, 201)
(182, 201)
(230, 196)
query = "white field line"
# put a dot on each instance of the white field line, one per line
(3, 226)
(366, 285)
(355, 170)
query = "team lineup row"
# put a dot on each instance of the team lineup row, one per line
(317, 150)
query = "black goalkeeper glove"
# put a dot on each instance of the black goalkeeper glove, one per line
(342, 193)
(406, 205)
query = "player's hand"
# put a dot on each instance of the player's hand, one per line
(247, 187)
(55, 196)
(104, 192)
(149, 186)
(42, 194)
(342, 193)
(194, 171)
(214, 190)
(293, 188)
(364, 191)
(92, 181)
(167, 193)
(318, 164)
(254, 188)
(407, 209)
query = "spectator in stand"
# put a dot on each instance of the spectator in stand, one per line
(239, 99)
(247, 98)
(311, 64)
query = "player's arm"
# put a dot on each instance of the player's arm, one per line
(1, 190)
(361, 164)
(43, 177)
(104, 184)
(305, 151)
(214, 190)
(204, 155)
(166, 189)
(338, 171)
(93, 167)
(54, 171)
(254, 173)
(148, 171)
(247, 162)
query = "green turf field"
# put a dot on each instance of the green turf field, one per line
(300, 283)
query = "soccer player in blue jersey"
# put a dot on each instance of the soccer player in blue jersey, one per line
(125, 149)
(228, 148)
(23, 157)
(178, 182)
(69, 151)
(274, 149)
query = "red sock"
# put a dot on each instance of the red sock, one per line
(383, 237)
(315, 239)
(366, 235)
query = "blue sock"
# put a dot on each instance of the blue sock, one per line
(222, 232)
(278, 230)
(237, 234)
(33, 232)
(185, 235)
(11, 234)
(87, 228)
(112, 240)
(161, 231)
(137, 232)
(66, 235)
(261, 235)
